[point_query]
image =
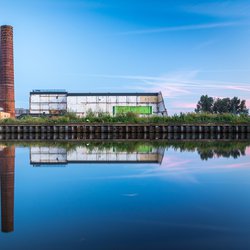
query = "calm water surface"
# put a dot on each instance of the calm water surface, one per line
(127, 195)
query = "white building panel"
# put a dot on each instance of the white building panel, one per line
(131, 99)
(91, 99)
(57, 98)
(35, 98)
(102, 99)
(71, 100)
(44, 98)
(112, 99)
(44, 106)
(56, 106)
(35, 106)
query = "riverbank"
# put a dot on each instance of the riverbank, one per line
(131, 118)
(126, 128)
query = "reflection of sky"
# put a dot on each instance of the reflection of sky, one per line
(184, 203)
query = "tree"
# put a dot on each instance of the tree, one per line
(221, 105)
(235, 105)
(205, 104)
(243, 108)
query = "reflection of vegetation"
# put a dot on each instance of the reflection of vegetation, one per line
(212, 149)
(124, 146)
(191, 118)
(206, 149)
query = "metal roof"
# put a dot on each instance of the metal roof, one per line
(112, 94)
(38, 92)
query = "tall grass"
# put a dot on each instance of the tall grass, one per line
(189, 118)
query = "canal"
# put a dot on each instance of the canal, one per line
(125, 194)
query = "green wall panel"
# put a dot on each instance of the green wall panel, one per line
(143, 110)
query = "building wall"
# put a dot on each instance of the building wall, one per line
(4, 115)
(82, 104)
(51, 103)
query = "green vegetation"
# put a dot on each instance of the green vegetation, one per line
(189, 118)
(207, 150)
(221, 105)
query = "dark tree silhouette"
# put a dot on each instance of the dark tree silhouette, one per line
(221, 105)
(205, 104)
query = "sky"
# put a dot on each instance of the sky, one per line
(183, 48)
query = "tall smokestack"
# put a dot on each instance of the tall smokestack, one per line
(7, 96)
(7, 172)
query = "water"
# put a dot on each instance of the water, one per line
(125, 195)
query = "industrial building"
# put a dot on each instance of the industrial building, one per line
(7, 96)
(60, 101)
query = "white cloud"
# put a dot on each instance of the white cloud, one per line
(230, 8)
(179, 83)
(182, 28)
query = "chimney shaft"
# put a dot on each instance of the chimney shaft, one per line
(7, 95)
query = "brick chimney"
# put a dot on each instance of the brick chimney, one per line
(7, 95)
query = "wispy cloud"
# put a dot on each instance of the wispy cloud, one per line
(179, 83)
(184, 105)
(229, 8)
(205, 44)
(182, 28)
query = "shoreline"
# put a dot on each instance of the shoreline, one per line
(126, 128)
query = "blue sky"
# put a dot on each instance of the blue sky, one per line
(184, 48)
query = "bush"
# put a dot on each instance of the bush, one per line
(192, 118)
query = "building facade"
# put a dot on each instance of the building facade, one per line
(60, 101)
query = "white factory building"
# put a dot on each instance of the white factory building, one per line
(60, 101)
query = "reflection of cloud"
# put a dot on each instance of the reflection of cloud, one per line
(180, 170)
(169, 162)
(130, 195)
(247, 151)
(207, 227)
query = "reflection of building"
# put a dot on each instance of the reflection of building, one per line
(56, 102)
(7, 168)
(85, 154)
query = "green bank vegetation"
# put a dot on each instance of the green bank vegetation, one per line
(189, 118)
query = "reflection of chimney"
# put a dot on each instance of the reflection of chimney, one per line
(7, 168)
(7, 98)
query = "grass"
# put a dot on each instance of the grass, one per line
(189, 118)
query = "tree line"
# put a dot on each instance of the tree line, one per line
(221, 105)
